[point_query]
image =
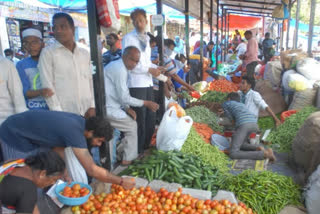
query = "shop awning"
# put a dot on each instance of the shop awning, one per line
(242, 22)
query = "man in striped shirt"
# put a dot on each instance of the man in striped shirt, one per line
(245, 123)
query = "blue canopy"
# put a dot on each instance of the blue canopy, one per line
(304, 27)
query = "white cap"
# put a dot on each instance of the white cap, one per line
(31, 32)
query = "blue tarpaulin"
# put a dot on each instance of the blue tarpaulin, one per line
(304, 27)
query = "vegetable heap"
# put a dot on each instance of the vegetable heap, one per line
(174, 166)
(209, 154)
(214, 96)
(204, 131)
(145, 200)
(209, 105)
(265, 192)
(223, 86)
(286, 132)
(201, 114)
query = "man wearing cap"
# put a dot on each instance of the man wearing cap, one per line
(29, 74)
(65, 68)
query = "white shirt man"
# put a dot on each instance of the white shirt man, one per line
(241, 48)
(11, 93)
(118, 101)
(69, 75)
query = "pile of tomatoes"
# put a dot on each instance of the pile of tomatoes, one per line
(145, 200)
(75, 191)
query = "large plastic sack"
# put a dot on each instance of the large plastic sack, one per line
(309, 68)
(306, 148)
(302, 99)
(290, 58)
(297, 82)
(313, 193)
(273, 73)
(285, 80)
(75, 169)
(109, 17)
(173, 131)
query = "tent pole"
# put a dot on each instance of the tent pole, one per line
(221, 37)
(211, 21)
(98, 78)
(160, 50)
(217, 37)
(288, 28)
(201, 39)
(311, 24)
(296, 32)
(225, 34)
(186, 12)
(228, 30)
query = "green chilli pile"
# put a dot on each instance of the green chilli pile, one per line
(214, 96)
(201, 114)
(173, 166)
(209, 154)
(265, 192)
(266, 122)
(284, 135)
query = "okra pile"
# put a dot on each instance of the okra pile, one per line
(265, 192)
(209, 154)
(177, 167)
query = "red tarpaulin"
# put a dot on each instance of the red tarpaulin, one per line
(242, 22)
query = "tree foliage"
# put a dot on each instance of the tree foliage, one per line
(305, 11)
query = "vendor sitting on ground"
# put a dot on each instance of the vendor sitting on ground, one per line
(253, 100)
(18, 187)
(245, 123)
(26, 133)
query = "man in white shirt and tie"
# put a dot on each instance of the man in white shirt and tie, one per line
(119, 101)
(65, 68)
(140, 78)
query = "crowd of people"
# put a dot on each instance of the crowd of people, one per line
(48, 120)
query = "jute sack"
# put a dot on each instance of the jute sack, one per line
(273, 72)
(290, 58)
(274, 99)
(302, 99)
(306, 147)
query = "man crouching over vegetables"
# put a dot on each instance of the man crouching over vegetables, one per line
(245, 123)
(33, 131)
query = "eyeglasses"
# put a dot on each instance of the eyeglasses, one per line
(28, 44)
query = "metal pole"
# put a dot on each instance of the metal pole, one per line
(211, 21)
(311, 24)
(217, 38)
(98, 78)
(282, 35)
(186, 12)
(296, 32)
(225, 35)
(288, 28)
(222, 21)
(228, 14)
(160, 50)
(201, 39)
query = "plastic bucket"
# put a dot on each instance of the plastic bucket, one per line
(220, 141)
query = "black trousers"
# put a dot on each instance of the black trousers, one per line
(250, 69)
(145, 118)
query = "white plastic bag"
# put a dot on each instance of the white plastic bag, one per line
(75, 169)
(309, 68)
(173, 131)
(312, 193)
